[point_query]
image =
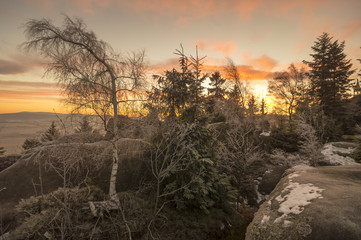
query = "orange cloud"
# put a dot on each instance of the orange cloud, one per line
(227, 48)
(247, 72)
(211, 65)
(163, 66)
(30, 95)
(286, 6)
(27, 84)
(351, 28)
(264, 62)
(29, 90)
(182, 10)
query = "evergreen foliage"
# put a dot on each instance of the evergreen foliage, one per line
(356, 154)
(181, 91)
(192, 181)
(84, 126)
(51, 134)
(2, 151)
(30, 143)
(330, 73)
(217, 91)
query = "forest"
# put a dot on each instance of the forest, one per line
(180, 156)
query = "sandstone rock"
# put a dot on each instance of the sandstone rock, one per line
(312, 203)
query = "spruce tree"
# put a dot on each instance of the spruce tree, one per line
(51, 134)
(217, 90)
(2, 151)
(330, 73)
(84, 126)
(171, 94)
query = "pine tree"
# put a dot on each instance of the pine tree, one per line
(171, 94)
(197, 78)
(2, 151)
(51, 134)
(84, 126)
(30, 143)
(263, 107)
(330, 73)
(252, 105)
(179, 92)
(216, 91)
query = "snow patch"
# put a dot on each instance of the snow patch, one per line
(265, 219)
(287, 223)
(266, 134)
(295, 197)
(332, 154)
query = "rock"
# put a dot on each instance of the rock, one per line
(337, 153)
(270, 179)
(312, 203)
(8, 160)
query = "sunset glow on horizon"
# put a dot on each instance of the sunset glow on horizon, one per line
(260, 36)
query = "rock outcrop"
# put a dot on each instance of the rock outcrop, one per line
(312, 203)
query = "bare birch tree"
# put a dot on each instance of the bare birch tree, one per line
(289, 87)
(92, 74)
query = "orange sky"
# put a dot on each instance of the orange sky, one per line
(261, 36)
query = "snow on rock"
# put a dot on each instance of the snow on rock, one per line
(266, 134)
(309, 202)
(265, 219)
(296, 198)
(336, 153)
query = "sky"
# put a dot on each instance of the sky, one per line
(260, 36)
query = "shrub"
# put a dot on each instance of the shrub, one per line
(30, 143)
(64, 214)
(356, 154)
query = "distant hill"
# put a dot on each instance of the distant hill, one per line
(16, 127)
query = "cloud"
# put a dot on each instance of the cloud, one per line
(29, 90)
(247, 72)
(351, 28)
(183, 11)
(187, 10)
(20, 63)
(30, 95)
(159, 68)
(307, 7)
(27, 84)
(12, 67)
(263, 63)
(227, 48)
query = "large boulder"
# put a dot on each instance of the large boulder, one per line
(312, 203)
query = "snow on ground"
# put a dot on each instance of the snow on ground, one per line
(336, 154)
(295, 197)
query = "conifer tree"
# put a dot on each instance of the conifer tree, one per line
(84, 126)
(181, 90)
(51, 134)
(216, 91)
(2, 151)
(330, 73)
(30, 143)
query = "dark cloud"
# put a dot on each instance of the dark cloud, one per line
(11, 67)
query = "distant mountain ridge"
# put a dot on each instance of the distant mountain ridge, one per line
(16, 127)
